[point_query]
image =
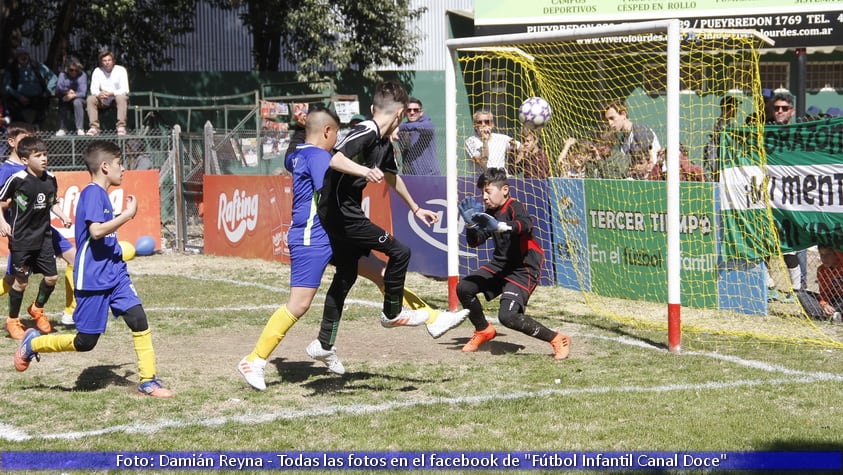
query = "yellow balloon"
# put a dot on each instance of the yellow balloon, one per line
(128, 250)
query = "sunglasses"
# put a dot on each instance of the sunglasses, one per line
(782, 108)
(482, 122)
(413, 109)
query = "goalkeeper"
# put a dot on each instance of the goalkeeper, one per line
(514, 270)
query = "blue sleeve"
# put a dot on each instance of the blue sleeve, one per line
(82, 89)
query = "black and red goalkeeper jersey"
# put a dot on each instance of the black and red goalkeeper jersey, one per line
(514, 250)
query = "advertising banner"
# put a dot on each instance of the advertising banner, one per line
(627, 240)
(250, 215)
(143, 184)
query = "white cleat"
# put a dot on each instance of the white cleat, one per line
(67, 319)
(329, 357)
(446, 321)
(253, 372)
(407, 318)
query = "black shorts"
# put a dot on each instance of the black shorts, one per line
(36, 261)
(511, 286)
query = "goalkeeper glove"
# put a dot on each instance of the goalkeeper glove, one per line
(469, 207)
(489, 224)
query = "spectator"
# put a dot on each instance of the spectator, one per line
(137, 157)
(71, 89)
(828, 303)
(297, 130)
(27, 86)
(530, 159)
(485, 148)
(782, 111)
(636, 141)
(728, 111)
(688, 171)
(417, 142)
(109, 87)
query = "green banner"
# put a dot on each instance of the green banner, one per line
(802, 181)
(627, 247)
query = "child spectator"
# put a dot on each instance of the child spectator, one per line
(101, 275)
(828, 303)
(33, 195)
(514, 270)
(530, 159)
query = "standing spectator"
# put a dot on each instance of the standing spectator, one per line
(638, 142)
(109, 88)
(781, 110)
(828, 303)
(71, 89)
(28, 85)
(728, 111)
(417, 142)
(485, 148)
(530, 159)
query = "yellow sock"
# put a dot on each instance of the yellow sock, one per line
(414, 302)
(274, 331)
(69, 298)
(53, 343)
(146, 355)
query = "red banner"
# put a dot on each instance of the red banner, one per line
(249, 215)
(141, 183)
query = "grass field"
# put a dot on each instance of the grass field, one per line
(620, 390)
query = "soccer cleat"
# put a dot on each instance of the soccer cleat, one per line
(329, 357)
(445, 321)
(41, 320)
(407, 318)
(24, 353)
(67, 319)
(253, 372)
(479, 338)
(561, 344)
(154, 388)
(15, 328)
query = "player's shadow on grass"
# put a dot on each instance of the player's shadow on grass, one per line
(95, 378)
(292, 372)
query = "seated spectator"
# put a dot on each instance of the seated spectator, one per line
(71, 89)
(28, 86)
(109, 88)
(828, 303)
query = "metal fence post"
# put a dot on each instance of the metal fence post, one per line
(179, 211)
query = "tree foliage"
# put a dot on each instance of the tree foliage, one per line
(319, 35)
(137, 31)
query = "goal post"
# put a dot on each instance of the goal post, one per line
(675, 81)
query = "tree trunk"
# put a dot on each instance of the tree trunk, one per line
(58, 45)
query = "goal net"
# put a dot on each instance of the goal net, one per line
(631, 233)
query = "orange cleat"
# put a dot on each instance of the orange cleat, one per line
(479, 338)
(15, 328)
(41, 320)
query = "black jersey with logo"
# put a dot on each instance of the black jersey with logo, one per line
(341, 196)
(32, 197)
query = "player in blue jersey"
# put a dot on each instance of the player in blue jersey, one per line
(61, 246)
(31, 194)
(101, 276)
(310, 249)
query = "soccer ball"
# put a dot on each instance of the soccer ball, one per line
(534, 112)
